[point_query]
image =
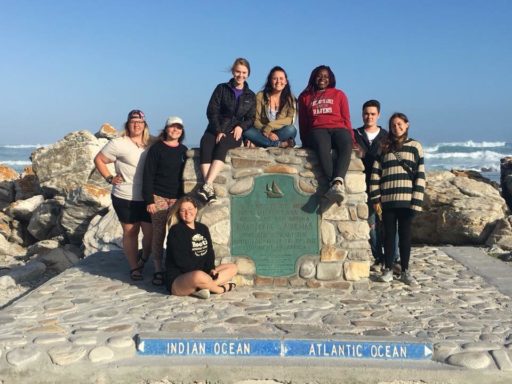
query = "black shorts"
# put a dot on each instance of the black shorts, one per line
(129, 211)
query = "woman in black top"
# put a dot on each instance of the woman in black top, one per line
(190, 261)
(230, 112)
(161, 185)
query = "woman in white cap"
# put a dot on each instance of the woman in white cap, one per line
(128, 153)
(162, 184)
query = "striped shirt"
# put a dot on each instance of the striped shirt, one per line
(391, 185)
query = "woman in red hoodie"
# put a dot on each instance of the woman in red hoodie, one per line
(324, 124)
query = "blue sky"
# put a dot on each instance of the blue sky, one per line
(72, 65)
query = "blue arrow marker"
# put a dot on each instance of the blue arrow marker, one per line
(209, 347)
(357, 350)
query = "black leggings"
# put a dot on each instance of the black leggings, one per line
(325, 139)
(210, 150)
(390, 218)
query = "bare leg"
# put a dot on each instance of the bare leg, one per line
(131, 243)
(212, 172)
(188, 283)
(226, 273)
(204, 169)
(147, 231)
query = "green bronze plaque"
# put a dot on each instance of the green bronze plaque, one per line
(274, 225)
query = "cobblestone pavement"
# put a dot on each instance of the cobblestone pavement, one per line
(88, 315)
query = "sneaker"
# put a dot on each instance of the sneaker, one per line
(207, 193)
(387, 276)
(336, 193)
(201, 294)
(397, 269)
(376, 267)
(406, 278)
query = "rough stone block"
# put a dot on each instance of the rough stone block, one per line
(242, 186)
(243, 280)
(356, 270)
(362, 211)
(308, 186)
(330, 253)
(355, 182)
(328, 233)
(281, 168)
(358, 230)
(335, 212)
(472, 360)
(329, 271)
(280, 281)
(360, 254)
(264, 281)
(307, 269)
(343, 285)
(245, 266)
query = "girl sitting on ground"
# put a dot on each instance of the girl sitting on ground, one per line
(190, 260)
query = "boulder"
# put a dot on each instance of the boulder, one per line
(44, 223)
(103, 234)
(5, 225)
(23, 209)
(501, 236)
(42, 247)
(107, 131)
(10, 249)
(81, 205)
(7, 177)
(27, 185)
(67, 164)
(59, 259)
(458, 210)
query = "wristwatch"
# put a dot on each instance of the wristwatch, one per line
(109, 179)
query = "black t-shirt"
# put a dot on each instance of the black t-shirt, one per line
(163, 171)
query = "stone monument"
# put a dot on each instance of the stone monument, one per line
(272, 220)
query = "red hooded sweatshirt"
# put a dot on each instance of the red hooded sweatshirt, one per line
(325, 109)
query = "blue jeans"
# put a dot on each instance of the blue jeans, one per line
(257, 137)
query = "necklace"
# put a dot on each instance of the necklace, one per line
(139, 145)
(274, 101)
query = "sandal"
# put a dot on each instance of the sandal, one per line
(136, 274)
(158, 278)
(141, 260)
(230, 287)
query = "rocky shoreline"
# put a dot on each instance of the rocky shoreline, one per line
(57, 212)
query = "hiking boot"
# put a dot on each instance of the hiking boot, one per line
(387, 276)
(406, 278)
(336, 193)
(207, 193)
(201, 294)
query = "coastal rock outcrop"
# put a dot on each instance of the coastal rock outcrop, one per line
(7, 176)
(458, 210)
(67, 164)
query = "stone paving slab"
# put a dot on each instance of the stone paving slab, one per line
(89, 315)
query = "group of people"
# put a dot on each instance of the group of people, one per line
(147, 182)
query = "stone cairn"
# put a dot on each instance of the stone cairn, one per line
(343, 258)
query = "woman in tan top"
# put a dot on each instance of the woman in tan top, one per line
(275, 113)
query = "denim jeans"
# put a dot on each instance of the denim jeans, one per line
(257, 137)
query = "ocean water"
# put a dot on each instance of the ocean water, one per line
(483, 156)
